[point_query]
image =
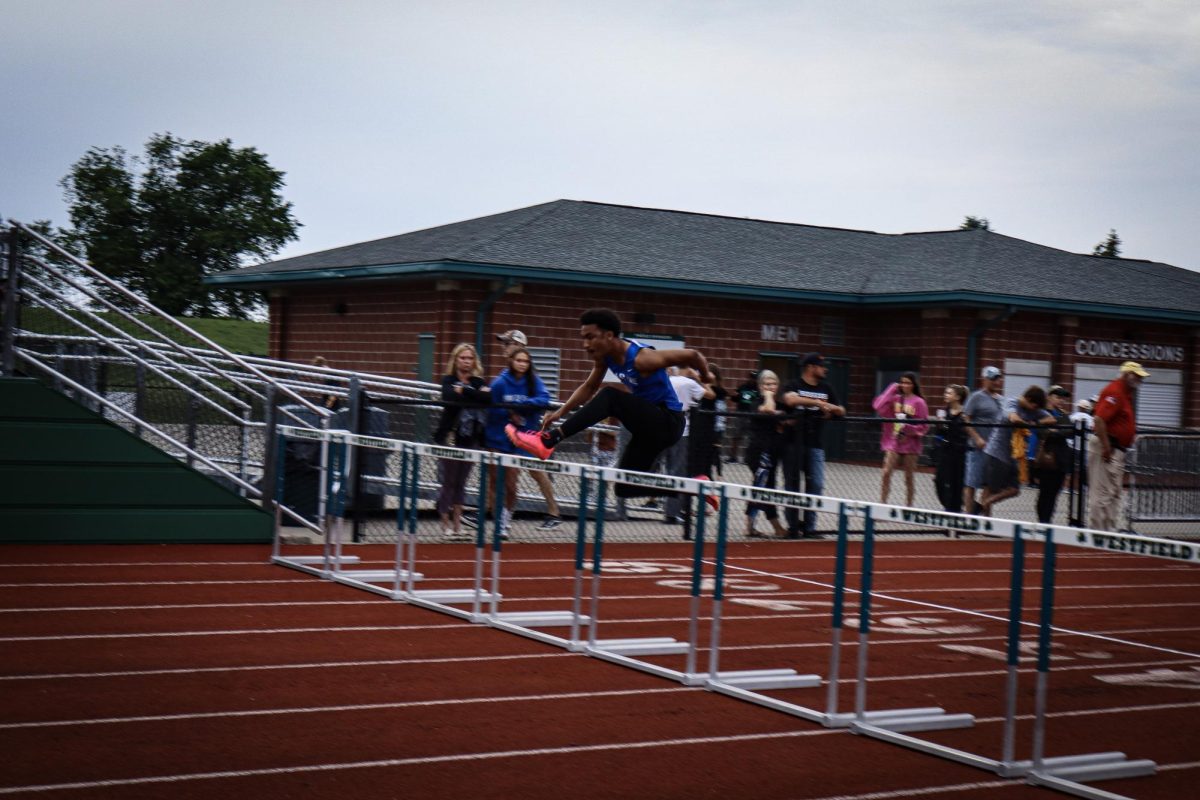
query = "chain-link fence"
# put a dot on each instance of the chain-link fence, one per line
(542, 506)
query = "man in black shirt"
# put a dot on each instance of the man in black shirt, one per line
(811, 401)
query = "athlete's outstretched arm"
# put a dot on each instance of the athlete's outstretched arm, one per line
(648, 361)
(579, 396)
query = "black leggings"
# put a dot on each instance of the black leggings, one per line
(653, 428)
(1050, 483)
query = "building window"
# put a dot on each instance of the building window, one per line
(547, 361)
(833, 332)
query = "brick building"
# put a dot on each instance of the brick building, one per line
(748, 293)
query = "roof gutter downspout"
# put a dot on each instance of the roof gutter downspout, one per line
(976, 335)
(484, 309)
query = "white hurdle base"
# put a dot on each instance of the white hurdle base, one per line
(379, 575)
(318, 559)
(1089, 767)
(902, 719)
(452, 597)
(1070, 786)
(760, 679)
(312, 565)
(649, 646)
(540, 619)
(633, 663)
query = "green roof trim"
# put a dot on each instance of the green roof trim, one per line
(454, 269)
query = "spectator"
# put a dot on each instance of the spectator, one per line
(765, 449)
(901, 441)
(690, 392)
(329, 401)
(1003, 479)
(952, 454)
(811, 401)
(461, 426)
(1053, 459)
(704, 455)
(518, 385)
(1115, 433)
(745, 402)
(985, 406)
(511, 341)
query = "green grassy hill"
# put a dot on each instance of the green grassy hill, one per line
(239, 336)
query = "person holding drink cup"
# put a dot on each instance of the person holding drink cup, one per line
(901, 441)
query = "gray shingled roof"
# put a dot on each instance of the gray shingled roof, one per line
(567, 237)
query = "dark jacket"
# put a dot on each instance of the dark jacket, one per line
(473, 398)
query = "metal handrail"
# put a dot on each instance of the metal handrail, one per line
(97, 297)
(136, 359)
(97, 275)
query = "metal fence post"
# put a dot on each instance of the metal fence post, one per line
(9, 318)
(354, 422)
(271, 444)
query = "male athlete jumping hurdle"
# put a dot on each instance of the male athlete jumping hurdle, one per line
(650, 410)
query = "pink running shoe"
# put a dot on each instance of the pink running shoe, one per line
(528, 441)
(713, 501)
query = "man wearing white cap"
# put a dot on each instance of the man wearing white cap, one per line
(1115, 430)
(985, 406)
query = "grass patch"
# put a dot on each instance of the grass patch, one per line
(236, 335)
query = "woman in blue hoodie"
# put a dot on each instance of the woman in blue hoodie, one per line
(518, 385)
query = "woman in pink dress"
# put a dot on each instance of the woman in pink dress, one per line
(901, 441)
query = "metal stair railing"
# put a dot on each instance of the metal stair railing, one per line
(194, 399)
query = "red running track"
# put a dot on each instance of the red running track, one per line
(186, 671)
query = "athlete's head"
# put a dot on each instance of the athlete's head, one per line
(600, 329)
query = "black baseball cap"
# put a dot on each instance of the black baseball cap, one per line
(812, 358)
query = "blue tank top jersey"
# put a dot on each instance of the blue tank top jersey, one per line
(655, 387)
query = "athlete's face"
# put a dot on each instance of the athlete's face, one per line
(596, 341)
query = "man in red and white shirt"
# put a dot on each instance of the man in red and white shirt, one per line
(1114, 433)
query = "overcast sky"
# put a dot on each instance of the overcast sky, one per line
(1057, 120)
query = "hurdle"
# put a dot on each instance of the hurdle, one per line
(446, 601)
(530, 623)
(897, 726)
(626, 651)
(1064, 773)
(321, 566)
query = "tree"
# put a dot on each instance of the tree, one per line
(970, 223)
(160, 223)
(1110, 247)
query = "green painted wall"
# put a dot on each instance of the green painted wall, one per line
(68, 475)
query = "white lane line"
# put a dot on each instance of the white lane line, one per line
(82, 584)
(462, 757)
(180, 606)
(271, 712)
(519, 560)
(419, 761)
(809, 576)
(563, 598)
(385, 662)
(925, 791)
(103, 564)
(1096, 712)
(448, 625)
